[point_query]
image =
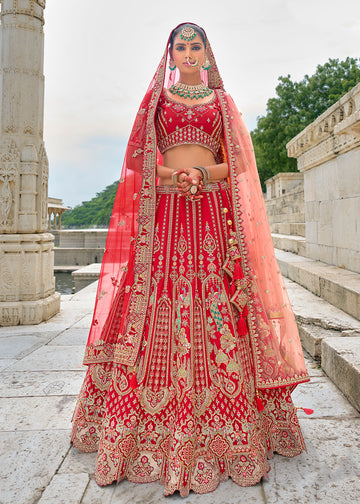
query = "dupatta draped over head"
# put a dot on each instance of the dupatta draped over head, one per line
(125, 276)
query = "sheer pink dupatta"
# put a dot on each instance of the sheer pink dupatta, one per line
(277, 351)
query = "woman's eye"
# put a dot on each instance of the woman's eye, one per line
(180, 48)
(196, 48)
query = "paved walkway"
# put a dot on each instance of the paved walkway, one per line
(40, 376)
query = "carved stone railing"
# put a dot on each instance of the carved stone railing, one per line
(335, 132)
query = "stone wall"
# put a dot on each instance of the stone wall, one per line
(77, 256)
(80, 238)
(328, 154)
(79, 247)
(285, 204)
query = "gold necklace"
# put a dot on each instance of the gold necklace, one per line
(186, 91)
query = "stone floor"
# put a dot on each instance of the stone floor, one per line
(41, 374)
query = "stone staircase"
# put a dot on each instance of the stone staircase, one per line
(325, 298)
(335, 285)
(326, 303)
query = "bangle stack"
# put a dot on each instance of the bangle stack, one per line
(204, 172)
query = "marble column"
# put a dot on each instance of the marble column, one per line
(27, 284)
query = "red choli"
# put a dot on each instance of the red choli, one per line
(177, 124)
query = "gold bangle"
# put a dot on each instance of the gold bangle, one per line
(174, 178)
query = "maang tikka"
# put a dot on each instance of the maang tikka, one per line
(188, 33)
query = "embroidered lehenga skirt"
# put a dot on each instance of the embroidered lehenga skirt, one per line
(192, 419)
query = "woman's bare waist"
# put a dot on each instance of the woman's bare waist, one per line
(185, 156)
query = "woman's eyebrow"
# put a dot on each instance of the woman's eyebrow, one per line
(192, 44)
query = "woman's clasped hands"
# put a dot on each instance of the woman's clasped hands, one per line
(189, 183)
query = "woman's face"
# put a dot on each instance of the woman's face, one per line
(188, 56)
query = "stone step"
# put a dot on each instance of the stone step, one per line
(340, 359)
(86, 275)
(337, 286)
(294, 244)
(331, 336)
(66, 269)
(288, 228)
(317, 319)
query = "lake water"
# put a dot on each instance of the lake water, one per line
(64, 283)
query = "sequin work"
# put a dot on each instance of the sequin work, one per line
(178, 124)
(192, 421)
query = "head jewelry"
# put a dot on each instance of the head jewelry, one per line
(188, 33)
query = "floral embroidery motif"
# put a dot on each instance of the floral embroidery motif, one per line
(178, 124)
(192, 419)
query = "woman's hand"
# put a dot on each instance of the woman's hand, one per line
(187, 179)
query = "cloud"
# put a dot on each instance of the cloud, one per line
(100, 57)
(89, 167)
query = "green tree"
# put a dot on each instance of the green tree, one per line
(296, 105)
(96, 212)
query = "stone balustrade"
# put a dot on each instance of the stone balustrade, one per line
(334, 132)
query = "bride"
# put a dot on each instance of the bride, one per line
(193, 350)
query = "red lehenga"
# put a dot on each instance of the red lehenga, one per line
(193, 350)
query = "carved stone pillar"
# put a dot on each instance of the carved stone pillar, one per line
(27, 284)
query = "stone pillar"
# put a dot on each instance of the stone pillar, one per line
(27, 284)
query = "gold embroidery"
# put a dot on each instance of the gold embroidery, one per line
(273, 315)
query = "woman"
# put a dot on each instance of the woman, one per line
(193, 350)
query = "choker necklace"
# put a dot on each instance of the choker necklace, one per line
(187, 91)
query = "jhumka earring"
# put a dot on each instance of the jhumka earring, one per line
(206, 65)
(171, 67)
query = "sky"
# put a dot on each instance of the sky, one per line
(101, 56)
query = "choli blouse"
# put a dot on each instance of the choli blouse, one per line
(178, 124)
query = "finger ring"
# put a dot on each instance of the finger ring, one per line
(193, 189)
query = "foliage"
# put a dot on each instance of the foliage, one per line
(93, 213)
(296, 105)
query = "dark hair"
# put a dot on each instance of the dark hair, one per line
(177, 30)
